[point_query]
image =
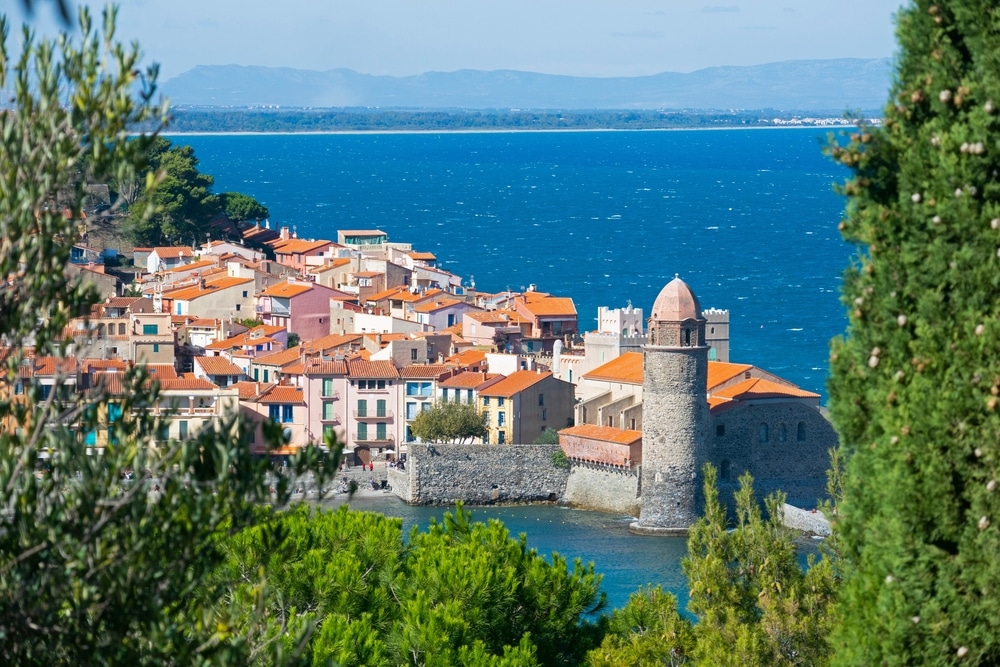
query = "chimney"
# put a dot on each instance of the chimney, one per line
(284, 234)
(201, 283)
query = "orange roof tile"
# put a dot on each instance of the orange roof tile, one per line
(292, 246)
(335, 367)
(331, 341)
(550, 306)
(361, 368)
(515, 383)
(287, 290)
(424, 256)
(162, 371)
(193, 266)
(386, 294)
(211, 287)
(468, 358)
(282, 394)
(603, 433)
(760, 388)
(283, 358)
(468, 380)
(720, 371)
(488, 316)
(428, 371)
(172, 252)
(248, 390)
(218, 366)
(186, 384)
(435, 305)
(625, 368)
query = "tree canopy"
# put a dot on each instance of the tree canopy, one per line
(450, 422)
(459, 593)
(94, 570)
(238, 206)
(915, 382)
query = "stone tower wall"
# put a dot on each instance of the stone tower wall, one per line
(675, 421)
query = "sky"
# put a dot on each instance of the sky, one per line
(573, 37)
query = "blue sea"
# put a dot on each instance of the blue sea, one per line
(747, 217)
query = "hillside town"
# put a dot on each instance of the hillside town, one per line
(355, 337)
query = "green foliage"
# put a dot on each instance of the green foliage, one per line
(94, 570)
(293, 340)
(239, 206)
(450, 422)
(461, 593)
(559, 459)
(755, 605)
(914, 383)
(549, 436)
(181, 205)
(646, 632)
(250, 322)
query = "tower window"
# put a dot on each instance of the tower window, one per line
(801, 435)
(762, 434)
(724, 469)
(720, 430)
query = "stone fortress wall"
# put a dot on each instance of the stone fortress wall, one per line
(593, 486)
(479, 474)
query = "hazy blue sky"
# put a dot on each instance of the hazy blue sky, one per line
(577, 37)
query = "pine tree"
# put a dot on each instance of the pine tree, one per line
(915, 381)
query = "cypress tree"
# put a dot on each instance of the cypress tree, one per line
(915, 382)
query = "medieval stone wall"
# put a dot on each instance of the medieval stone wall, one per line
(480, 474)
(602, 488)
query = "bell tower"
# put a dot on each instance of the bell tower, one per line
(675, 414)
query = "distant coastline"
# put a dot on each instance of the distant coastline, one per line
(263, 121)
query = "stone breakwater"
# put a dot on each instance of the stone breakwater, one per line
(479, 475)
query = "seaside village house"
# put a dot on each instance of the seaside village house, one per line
(525, 403)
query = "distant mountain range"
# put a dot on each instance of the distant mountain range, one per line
(797, 85)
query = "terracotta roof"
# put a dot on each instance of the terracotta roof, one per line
(281, 394)
(336, 367)
(162, 371)
(468, 380)
(550, 306)
(211, 287)
(244, 338)
(468, 358)
(488, 317)
(361, 368)
(435, 305)
(172, 252)
(515, 383)
(218, 366)
(294, 369)
(204, 322)
(603, 433)
(286, 289)
(193, 266)
(760, 388)
(426, 371)
(425, 256)
(335, 264)
(96, 364)
(386, 294)
(332, 341)
(366, 274)
(121, 301)
(109, 383)
(720, 372)
(248, 390)
(52, 365)
(283, 358)
(186, 384)
(292, 246)
(386, 338)
(625, 368)
(676, 302)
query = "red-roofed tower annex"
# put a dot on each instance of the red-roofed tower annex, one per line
(675, 413)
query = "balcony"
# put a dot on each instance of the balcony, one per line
(373, 414)
(333, 419)
(332, 396)
(389, 439)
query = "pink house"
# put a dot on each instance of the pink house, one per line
(324, 386)
(281, 404)
(442, 313)
(296, 252)
(301, 307)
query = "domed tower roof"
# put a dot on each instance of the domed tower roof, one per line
(676, 303)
